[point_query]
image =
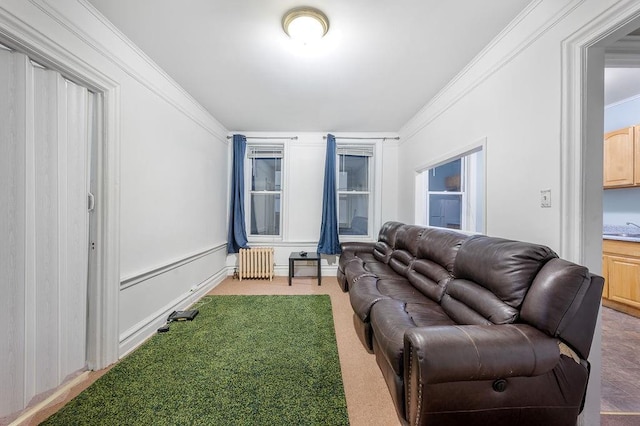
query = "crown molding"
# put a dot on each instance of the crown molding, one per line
(191, 108)
(529, 26)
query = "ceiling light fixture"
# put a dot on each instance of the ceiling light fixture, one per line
(305, 24)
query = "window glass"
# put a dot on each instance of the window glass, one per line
(445, 211)
(454, 193)
(266, 174)
(354, 189)
(265, 190)
(446, 177)
(353, 173)
(265, 214)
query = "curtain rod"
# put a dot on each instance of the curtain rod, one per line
(384, 138)
(295, 138)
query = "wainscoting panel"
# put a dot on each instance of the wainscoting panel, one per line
(181, 282)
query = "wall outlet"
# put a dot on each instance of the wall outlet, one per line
(545, 198)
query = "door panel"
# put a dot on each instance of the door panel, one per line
(624, 280)
(618, 158)
(44, 224)
(12, 229)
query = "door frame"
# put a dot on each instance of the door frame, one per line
(103, 290)
(582, 126)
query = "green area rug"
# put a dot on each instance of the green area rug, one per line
(244, 360)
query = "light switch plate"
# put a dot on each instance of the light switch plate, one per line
(545, 198)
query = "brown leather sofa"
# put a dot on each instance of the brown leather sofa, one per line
(473, 330)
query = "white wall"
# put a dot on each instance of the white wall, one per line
(175, 159)
(170, 189)
(512, 94)
(303, 180)
(622, 114)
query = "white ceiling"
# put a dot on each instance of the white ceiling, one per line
(379, 64)
(621, 84)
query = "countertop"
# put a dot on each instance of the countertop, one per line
(621, 233)
(621, 238)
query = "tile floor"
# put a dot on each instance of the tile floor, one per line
(620, 362)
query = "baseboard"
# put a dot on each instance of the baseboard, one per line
(27, 415)
(139, 333)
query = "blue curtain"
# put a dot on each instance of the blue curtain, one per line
(329, 242)
(237, 237)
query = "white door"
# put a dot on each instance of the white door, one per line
(44, 223)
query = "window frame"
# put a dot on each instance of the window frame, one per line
(368, 150)
(261, 150)
(473, 175)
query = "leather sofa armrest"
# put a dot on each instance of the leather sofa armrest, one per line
(443, 354)
(361, 246)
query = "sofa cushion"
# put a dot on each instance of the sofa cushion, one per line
(354, 270)
(552, 293)
(407, 238)
(401, 261)
(506, 268)
(388, 233)
(381, 270)
(382, 251)
(368, 290)
(390, 319)
(555, 300)
(429, 277)
(400, 289)
(441, 246)
(348, 256)
(427, 314)
(406, 249)
(469, 303)
(363, 294)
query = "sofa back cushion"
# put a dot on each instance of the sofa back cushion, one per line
(389, 232)
(441, 246)
(431, 271)
(406, 248)
(492, 277)
(386, 241)
(563, 301)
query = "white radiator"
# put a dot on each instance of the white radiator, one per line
(255, 263)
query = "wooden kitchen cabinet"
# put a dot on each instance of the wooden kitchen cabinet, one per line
(621, 271)
(620, 159)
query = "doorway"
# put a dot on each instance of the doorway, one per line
(621, 213)
(582, 152)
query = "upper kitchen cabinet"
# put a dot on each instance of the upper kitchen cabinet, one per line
(622, 157)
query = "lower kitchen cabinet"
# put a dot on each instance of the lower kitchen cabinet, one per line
(621, 270)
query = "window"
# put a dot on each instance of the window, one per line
(265, 190)
(454, 193)
(355, 165)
